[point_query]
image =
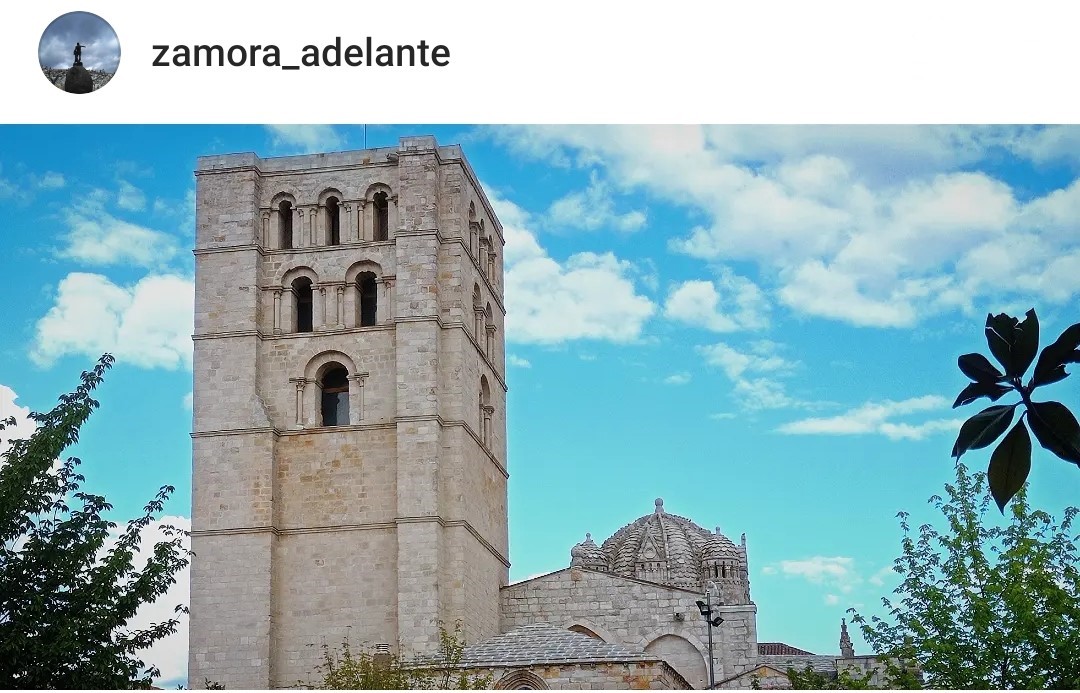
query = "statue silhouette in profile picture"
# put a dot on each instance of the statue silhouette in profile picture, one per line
(78, 52)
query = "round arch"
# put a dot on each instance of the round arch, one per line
(683, 656)
(374, 188)
(327, 193)
(598, 631)
(318, 363)
(288, 195)
(362, 266)
(294, 273)
(521, 680)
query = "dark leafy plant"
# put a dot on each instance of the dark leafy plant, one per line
(65, 601)
(1014, 344)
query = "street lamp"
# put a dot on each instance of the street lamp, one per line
(705, 607)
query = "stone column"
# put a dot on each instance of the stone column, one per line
(339, 302)
(319, 318)
(356, 399)
(391, 217)
(300, 384)
(489, 347)
(384, 311)
(299, 237)
(277, 310)
(358, 220)
(263, 237)
(478, 326)
(488, 412)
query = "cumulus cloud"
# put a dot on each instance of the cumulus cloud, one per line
(130, 198)
(98, 238)
(878, 418)
(306, 138)
(872, 226)
(586, 296)
(677, 379)
(731, 303)
(24, 425)
(51, 181)
(170, 654)
(593, 208)
(518, 362)
(833, 571)
(754, 373)
(148, 324)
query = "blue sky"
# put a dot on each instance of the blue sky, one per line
(759, 325)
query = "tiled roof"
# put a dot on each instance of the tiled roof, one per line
(544, 643)
(779, 648)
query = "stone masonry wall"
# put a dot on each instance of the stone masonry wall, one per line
(634, 613)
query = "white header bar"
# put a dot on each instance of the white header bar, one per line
(679, 61)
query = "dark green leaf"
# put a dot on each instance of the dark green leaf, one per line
(978, 368)
(1056, 429)
(1053, 357)
(1000, 335)
(1026, 345)
(976, 390)
(1009, 465)
(983, 428)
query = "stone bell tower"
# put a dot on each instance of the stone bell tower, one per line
(349, 435)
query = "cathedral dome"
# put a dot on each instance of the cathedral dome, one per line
(665, 548)
(719, 547)
(588, 555)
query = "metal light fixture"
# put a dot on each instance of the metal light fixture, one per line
(705, 607)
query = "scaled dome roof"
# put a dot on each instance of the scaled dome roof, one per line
(668, 548)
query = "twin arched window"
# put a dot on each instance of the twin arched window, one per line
(285, 219)
(333, 221)
(301, 288)
(381, 216)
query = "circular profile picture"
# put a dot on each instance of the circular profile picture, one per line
(79, 52)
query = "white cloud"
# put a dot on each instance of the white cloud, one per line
(877, 418)
(593, 208)
(51, 181)
(731, 303)
(148, 324)
(189, 401)
(24, 426)
(878, 578)
(587, 296)
(677, 379)
(834, 571)
(832, 599)
(130, 198)
(518, 362)
(169, 654)
(722, 416)
(96, 237)
(874, 226)
(753, 373)
(306, 138)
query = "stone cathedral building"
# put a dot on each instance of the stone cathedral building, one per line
(349, 450)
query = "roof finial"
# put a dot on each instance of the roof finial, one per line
(588, 536)
(846, 648)
(659, 502)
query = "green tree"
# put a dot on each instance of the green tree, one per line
(1014, 344)
(65, 601)
(346, 669)
(809, 680)
(985, 604)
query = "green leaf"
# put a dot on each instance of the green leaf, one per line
(983, 428)
(1009, 465)
(1000, 337)
(978, 368)
(976, 390)
(1050, 366)
(1026, 344)
(1056, 429)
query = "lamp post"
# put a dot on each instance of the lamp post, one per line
(705, 607)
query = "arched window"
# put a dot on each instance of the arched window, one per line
(489, 332)
(335, 396)
(333, 221)
(301, 288)
(381, 213)
(368, 291)
(285, 214)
